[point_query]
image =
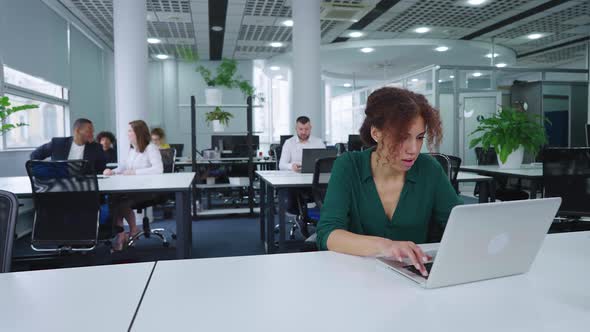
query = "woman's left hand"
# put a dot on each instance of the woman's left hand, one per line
(129, 172)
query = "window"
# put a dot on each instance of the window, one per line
(43, 123)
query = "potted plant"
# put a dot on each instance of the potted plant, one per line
(510, 132)
(6, 110)
(225, 77)
(219, 119)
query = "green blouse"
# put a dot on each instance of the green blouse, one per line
(352, 202)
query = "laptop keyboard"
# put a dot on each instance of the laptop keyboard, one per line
(412, 269)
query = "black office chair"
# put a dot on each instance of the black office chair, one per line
(168, 159)
(311, 217)
(450, 165)
(455, 168)
(276, 151)
(506, 190)
(445, 162)
(66, 201)
(8, 214)
(340, 147)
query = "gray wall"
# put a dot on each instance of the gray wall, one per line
(34, 39)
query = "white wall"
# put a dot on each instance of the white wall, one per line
(166, 93)
(34, 40)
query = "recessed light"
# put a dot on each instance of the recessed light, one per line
(489, 55)
(414, 80)
(276, 44)
(441, 49)
(347, 85)
(535, 36)
(422, 30)
(288, 23)
(279, 77)
(477, 74)
(162, 56)
(440, 81)
(367, 49)
(153, 41)
(355, 34)
(275, 68)
(216, 28)
(501, 65)
(452, 76)
(476, 2)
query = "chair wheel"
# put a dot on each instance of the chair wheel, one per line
(166, 244)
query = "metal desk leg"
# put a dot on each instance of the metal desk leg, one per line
(184, 229)
(484, 191)
(283, 196)
(262, 208)
(270, 220)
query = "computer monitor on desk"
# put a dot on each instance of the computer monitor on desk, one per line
(566, 174)
(234, 145)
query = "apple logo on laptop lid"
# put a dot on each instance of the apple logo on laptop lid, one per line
(498, 243)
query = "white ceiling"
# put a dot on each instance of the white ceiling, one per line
(252, 24)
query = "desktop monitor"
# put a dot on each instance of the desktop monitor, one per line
(355, 143)
(234, 145)
(566, 174)
(284, 138)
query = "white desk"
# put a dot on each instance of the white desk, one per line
(531, 172)
(333, 292)
(487, 187)
(178, 183)
(98, 298)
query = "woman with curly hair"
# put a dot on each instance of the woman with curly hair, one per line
(380, 201)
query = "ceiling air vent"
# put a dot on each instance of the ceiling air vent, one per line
(343, 11)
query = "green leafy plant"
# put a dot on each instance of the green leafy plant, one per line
(218, 114)
(226, 77)
(508, 129)
(6, 110)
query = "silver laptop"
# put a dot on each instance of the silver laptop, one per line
(485, 241)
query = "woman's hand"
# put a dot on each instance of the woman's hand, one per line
(129, 172)
(399, 250)
(108, 172)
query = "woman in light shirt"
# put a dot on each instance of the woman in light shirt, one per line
(143, 158)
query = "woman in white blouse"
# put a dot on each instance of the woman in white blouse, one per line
(143, 158)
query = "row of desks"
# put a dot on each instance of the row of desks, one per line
(178, 183)
(325, 291)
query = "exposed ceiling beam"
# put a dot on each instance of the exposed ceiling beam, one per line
(542, 50)
(217, 15)
(380, 8)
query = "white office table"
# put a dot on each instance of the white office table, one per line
(326, 291)
(98, 298)
(178, 183)
(487, 188)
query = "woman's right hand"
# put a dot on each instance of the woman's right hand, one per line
(399, 250)
(108, 171)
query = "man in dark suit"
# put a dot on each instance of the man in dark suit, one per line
(79, 146)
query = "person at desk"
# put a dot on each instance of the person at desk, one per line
(159, 138)
(108, 141)
(292, 152)
(143, 158)
(380, 201)
(79, 146)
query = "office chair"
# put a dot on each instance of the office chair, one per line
(168, 158)
(450, 165)
(505, 190)
(455, 167)
(311, 217)
(8, 214)
(445, 162)
(66, 201)
(340, 147)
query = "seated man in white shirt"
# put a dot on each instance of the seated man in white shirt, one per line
(292, 155)
(292, 151)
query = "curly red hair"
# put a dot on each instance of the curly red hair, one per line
(392, 111)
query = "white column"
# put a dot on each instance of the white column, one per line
(306, 63)
(131, 66)
(170, 110)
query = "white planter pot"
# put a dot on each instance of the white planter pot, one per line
(514, 159)
(213, 96)
(217, 126)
